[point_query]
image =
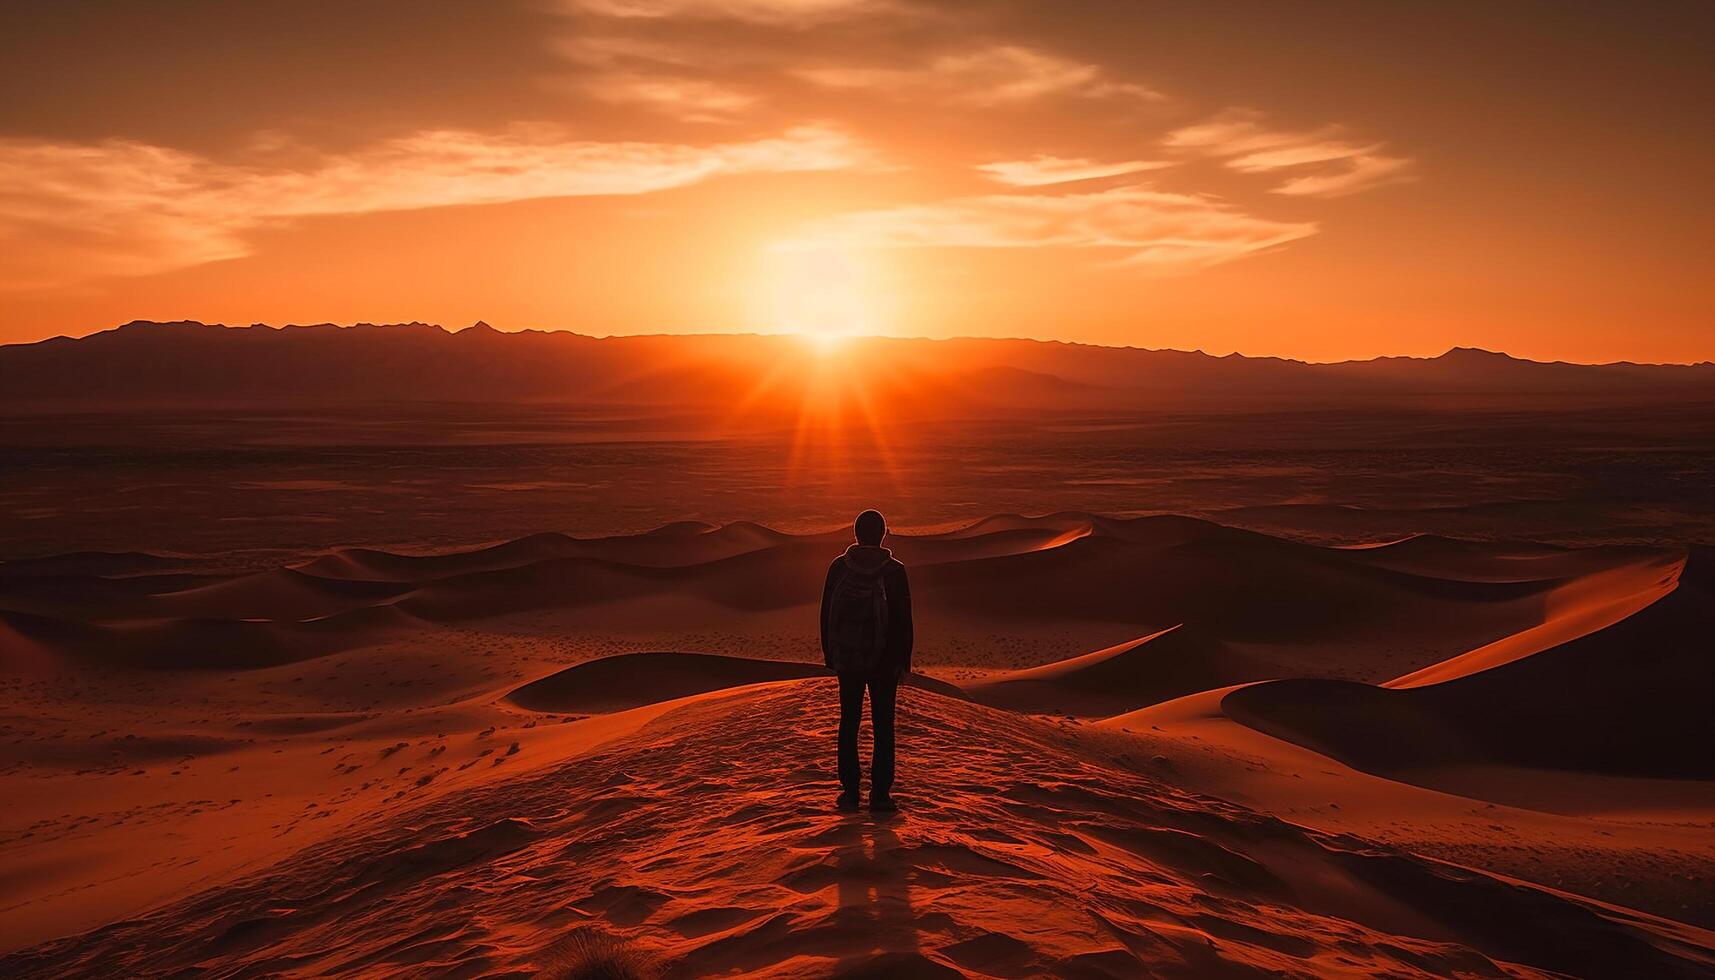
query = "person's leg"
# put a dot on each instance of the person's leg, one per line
(883, 693)
(851, 713)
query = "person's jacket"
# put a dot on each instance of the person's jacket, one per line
(868, 559)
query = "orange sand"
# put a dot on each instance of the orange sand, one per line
(1417, 758)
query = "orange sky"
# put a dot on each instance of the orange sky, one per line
(1315, 180)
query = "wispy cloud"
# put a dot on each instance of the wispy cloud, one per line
(754, 11)
(1039, 171)
(1165, 232)
(1324, 163)
(72, 211)
(587, 48)
(1360, 171)
(690, 99)
(653, 73)
(1229, 134)
(990, 76)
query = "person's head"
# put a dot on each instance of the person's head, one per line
(870, 527)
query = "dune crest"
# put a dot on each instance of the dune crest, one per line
(1629, 697)
(1029, 856)
(394, 712)
(1274, 608)
(634, 679)
(1158, 667)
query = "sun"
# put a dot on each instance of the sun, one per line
(823, 293)
(830, 297)
(825, 344)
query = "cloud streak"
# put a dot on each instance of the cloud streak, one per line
(1165, 232)
(999, 75)
(1360, 172)
(689, 99)
(1041, 171)
(77, 211)
(1318, 164)
(661, 76)
(778, 12)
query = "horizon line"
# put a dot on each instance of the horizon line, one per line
(485, 326)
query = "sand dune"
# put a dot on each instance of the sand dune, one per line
(368, 564)
(191, 643)
(1122, 678)
(1022, 855)
(104, 563)
(1134, 569)
(1278, 608)
(995, 543)
(281, 594)
(391, 755)
(1304, 610)
(630, 680)
(686, 543)
(1584, 605)
(96, 596)
(1491, 561)
(1184, 660)
(1631, 697)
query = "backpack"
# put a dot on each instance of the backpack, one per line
(857, 623)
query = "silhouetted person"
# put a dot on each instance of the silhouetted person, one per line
(866, 640)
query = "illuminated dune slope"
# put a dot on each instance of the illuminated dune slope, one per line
(1153, 668)
(707, 840)
(629, 680)
(1631, 697)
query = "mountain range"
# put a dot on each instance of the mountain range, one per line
(187, 363)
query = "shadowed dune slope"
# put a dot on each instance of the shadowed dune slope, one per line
(1282, 588)
(192, 644)
(1121, 678)
(1493, 561)
(85, 563)
(1267, 607)
(1186, 659)
(634, 679)
(1630, 698)
(779, 577)
(1581, 606)
(368, 564)
(1019, 853)
(97, 597)
(281, 594)
(671, 545)
(630, 680)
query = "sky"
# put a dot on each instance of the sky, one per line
(1318, 180)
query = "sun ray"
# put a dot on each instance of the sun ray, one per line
(878, 431)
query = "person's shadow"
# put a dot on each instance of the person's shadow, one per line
(875, 911)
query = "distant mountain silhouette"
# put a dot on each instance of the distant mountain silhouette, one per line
(190, 363)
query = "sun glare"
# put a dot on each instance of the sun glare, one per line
(828, 297)
(825, 344)
(825, 294)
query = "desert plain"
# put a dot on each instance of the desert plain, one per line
(452, 689)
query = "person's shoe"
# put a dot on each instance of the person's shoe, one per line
(848, 801)
(882, 803)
